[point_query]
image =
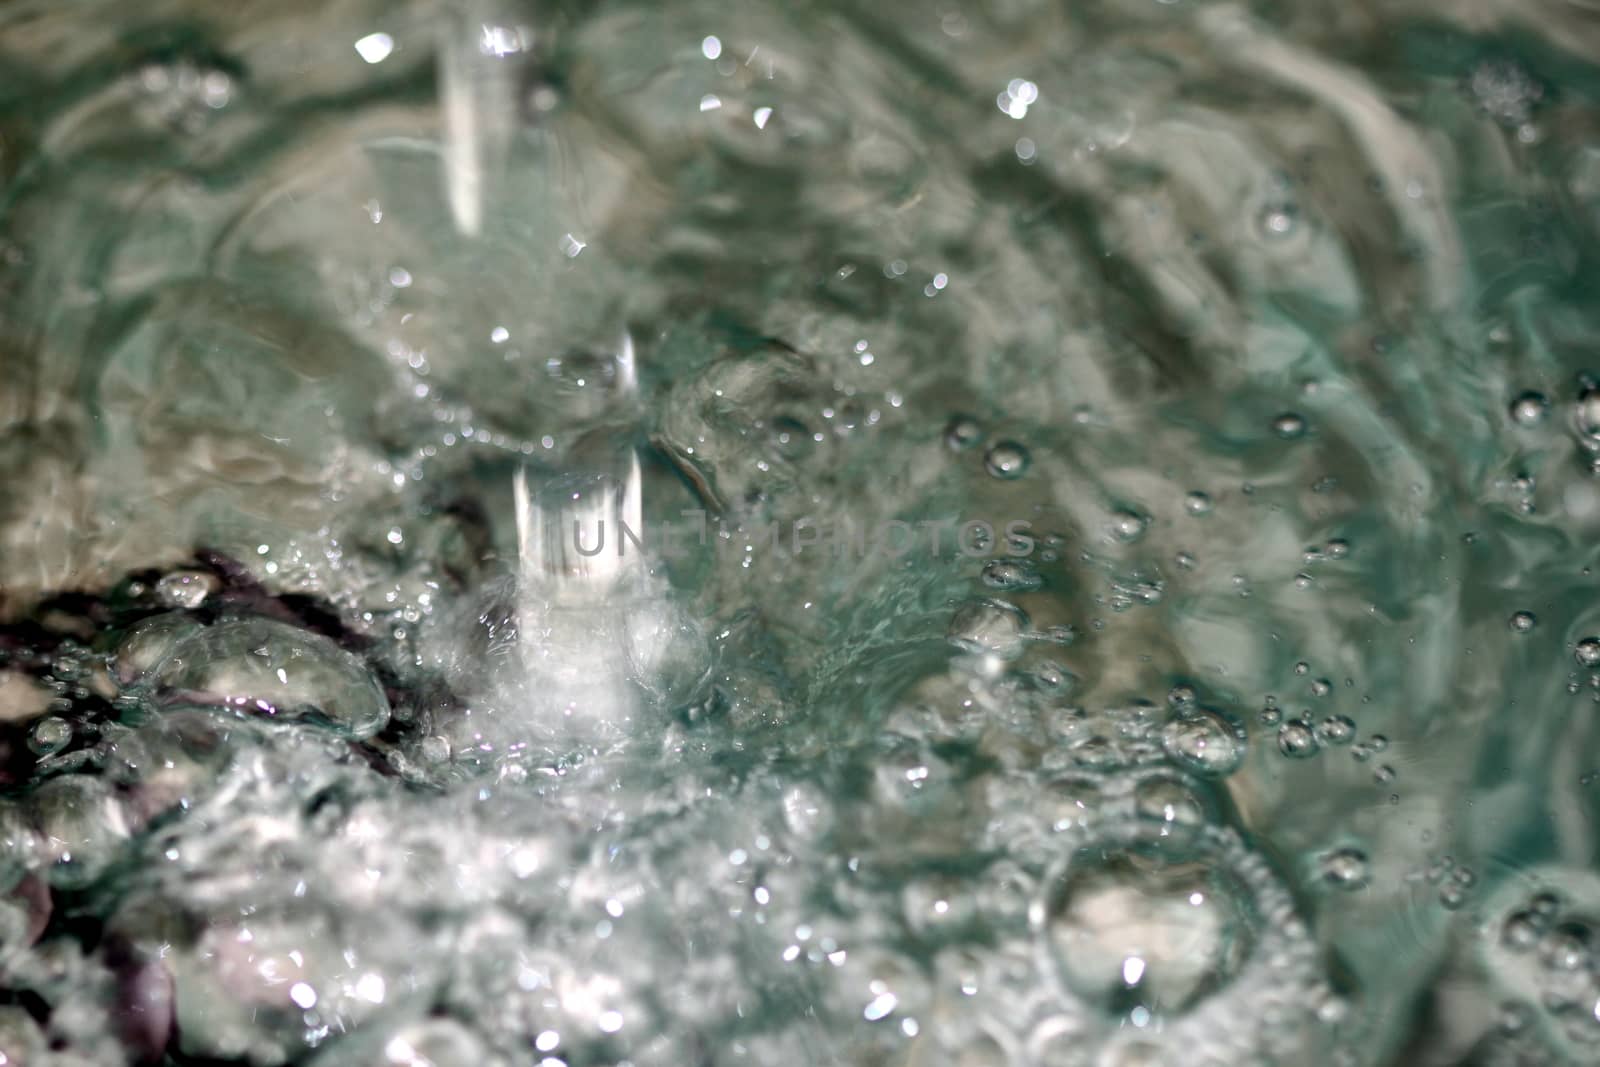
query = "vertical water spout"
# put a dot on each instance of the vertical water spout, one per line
(484, 48)
(581, 584)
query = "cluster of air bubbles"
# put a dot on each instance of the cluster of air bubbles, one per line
(1159, 931)
(1505, 91)
(1154, 922)
(1335, 549)
(1018, 95)
(1454, 882)
(1550, 948)
(182, 94)
(1336, 730)
(1304, 736)
(1005, 459)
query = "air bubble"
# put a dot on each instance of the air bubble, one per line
(1297, 740)
(1010, 574)
(1345, 868)
(1336, 730)
(1176, 929)
(49, 735)
(1522, 929)
(186, 589)
(262, 668)
(1567, 947)
(1277, 221)
(83, 825)
(1148, 925)
(990, 627)
(1523, 622)
(1289, 426)
(1127, 526)
(1169, 800)
(962, 432)
(1530, 409)
(1588, 652)
(1007, 460)
(1202, 741)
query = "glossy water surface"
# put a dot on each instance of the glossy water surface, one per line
(1108, 495)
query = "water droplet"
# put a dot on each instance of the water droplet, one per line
(1523, 622)
(1297, 740)
(1007, 459)
(1197, 503)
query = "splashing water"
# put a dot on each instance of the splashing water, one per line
(597, 534)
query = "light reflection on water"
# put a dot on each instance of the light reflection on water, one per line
(1230, 371)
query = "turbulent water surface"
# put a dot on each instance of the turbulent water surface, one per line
(1040, 532)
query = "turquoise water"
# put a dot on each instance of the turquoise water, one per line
(934, 534)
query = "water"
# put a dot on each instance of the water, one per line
(1106, 497)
